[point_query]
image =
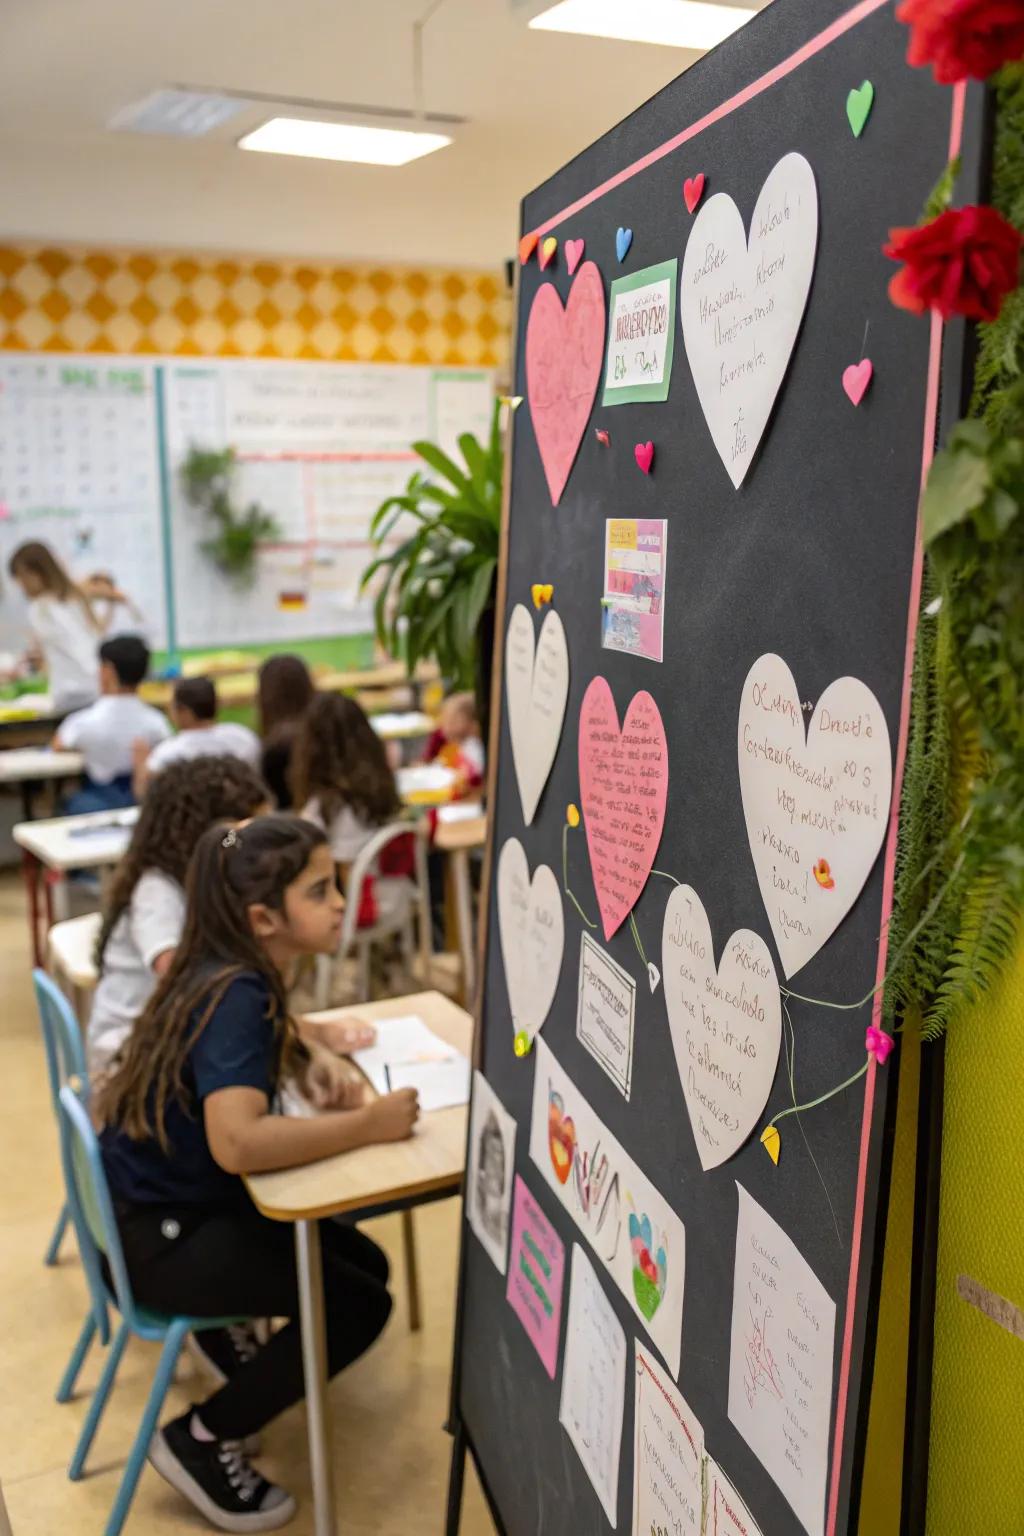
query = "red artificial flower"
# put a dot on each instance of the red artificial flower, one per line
(964, 262)
(878, 1044)
(963, 37)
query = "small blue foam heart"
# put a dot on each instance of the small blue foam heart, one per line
(623, 241)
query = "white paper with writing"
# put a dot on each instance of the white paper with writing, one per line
(727, 1515)
(531, 928)
(726, 1025)
(605, 1012)
(741, 304)
(780, 1361)
(668, 1455)
(594, 1381)
(630, 1226)
(816, 806)
(537, 687)
(492, 1156)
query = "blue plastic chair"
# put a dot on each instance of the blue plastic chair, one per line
(92, 1213)
(65, 1063)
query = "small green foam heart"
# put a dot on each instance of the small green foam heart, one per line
(858, 107)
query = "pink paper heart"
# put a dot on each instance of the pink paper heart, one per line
(644, 455)
(573, 254)
(693, 191)
(856, 379)
(564, 352)
(623, 790)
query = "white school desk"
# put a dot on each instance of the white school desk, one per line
(29, 767)
(95, 841)
(458, 836)
(426, 783)
(394, 1176)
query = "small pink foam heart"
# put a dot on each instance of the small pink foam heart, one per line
(856, 379)
(693, 191)
(573, 254)
(644, 455)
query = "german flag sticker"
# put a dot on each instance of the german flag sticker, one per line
(291, 602)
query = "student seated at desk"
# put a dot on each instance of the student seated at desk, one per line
(190, 1109)
(144, 915)
(105, 733)
(200, 734)
(285, 693)
(65, 630)
(456, 742)
(342, 781)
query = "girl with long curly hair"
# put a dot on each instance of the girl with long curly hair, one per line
(340, 775)
(145, 912)
(188, 1111)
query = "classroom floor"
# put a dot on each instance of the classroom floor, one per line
(391, 1460)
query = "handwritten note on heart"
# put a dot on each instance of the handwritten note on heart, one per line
(531, 928)
(741, 304)
(623, 787)
(817, 807)
(726, 1025)
(537, 687)
(564, 352)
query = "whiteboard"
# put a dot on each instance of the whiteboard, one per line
(79, 470)
(320, 447)
(91, 449)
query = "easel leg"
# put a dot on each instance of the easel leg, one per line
(456, 1478)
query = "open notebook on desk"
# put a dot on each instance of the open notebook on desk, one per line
(409, 1055)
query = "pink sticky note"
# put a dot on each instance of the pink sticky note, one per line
(623, 787)
(536, 1264)
(564, 352)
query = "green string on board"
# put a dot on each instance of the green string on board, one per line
(565, 875)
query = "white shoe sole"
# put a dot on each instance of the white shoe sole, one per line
(172, 1471)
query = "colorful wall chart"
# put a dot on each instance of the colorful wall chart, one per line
(709, 588)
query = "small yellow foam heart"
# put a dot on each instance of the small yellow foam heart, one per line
(541, 593)
(547, 251)
(771, 1141)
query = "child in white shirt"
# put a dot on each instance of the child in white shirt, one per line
(200, 734)
(105, 733)
(145, 914)
(64, 628)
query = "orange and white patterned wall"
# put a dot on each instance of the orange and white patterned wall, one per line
(83, 300)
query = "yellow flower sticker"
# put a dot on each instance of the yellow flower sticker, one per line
(772, 1142)
(572, 815)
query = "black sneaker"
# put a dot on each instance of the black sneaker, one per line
(223, 1351)
(216, 1477)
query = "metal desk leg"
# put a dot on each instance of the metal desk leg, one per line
(464, 917)
(314, 1365)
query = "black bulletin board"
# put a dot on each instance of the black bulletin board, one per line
(813, 558)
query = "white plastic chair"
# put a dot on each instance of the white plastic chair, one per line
(414, 913)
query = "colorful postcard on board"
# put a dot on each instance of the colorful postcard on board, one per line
(633, 603)
(668, 1455)
(536, 1267)
(641, 328)
(492, 1153)
(631, 1227)
(605, 1012)
(780, 1361)
(594, 1381)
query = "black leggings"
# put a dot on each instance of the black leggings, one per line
(239, 1264)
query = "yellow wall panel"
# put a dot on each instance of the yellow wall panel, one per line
(79, 300)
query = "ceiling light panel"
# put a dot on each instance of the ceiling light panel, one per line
(694, 24)
(322, 140)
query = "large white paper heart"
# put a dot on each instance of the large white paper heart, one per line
(537, 687)
(531, 927)
(740, 304)
(726, 1025)
(816, 807)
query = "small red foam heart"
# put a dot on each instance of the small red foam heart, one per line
(856, 379)
(527, 246)
(602, 436)
(573, 254)
(644, 455)
(693, 191)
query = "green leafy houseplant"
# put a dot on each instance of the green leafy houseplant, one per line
(206, 479)
(436, 592)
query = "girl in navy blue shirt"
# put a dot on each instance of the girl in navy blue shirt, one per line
(189, 1110)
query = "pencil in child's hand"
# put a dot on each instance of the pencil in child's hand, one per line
(387, 1076)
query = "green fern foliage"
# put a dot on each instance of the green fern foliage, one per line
(960, 860)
